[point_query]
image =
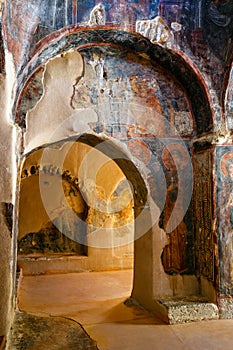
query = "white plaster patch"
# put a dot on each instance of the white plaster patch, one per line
(54, 107)
(156, 30)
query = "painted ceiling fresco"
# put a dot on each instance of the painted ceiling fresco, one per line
(204, 27)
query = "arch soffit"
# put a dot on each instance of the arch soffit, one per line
(171, 61)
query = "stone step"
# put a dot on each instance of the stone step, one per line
(183, 310)
(39, 265)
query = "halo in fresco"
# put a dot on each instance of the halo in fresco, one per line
(168, 155)
(225, 161)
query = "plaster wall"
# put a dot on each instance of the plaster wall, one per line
(54, 107)
(7, 186)
(149, 271)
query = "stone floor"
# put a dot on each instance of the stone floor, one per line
(53, 333)
(96, 301)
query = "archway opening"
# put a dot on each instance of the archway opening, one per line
(107, 195)
(75, 201)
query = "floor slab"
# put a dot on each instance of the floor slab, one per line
(96, 300)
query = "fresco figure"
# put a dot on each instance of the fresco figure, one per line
(218, 25)
(216, 15)
(174, 256)
(226, 223)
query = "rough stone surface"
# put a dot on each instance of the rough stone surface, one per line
(226, 307)
(33, 332)
(157, 31)
(187, 310)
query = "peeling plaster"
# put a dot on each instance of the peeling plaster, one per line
(157, 31)
(60, 75)
(10, 85)
(176, 63)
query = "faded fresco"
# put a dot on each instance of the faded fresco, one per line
(177, 256)
(201, 29)
(205, 241)
(169, 167)
(198, 20)
(49, 239)
(224, 158)
(133, 99)
(174, 257)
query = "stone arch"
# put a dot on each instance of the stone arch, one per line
(177, 64)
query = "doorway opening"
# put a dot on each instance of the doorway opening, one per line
(76, 208)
